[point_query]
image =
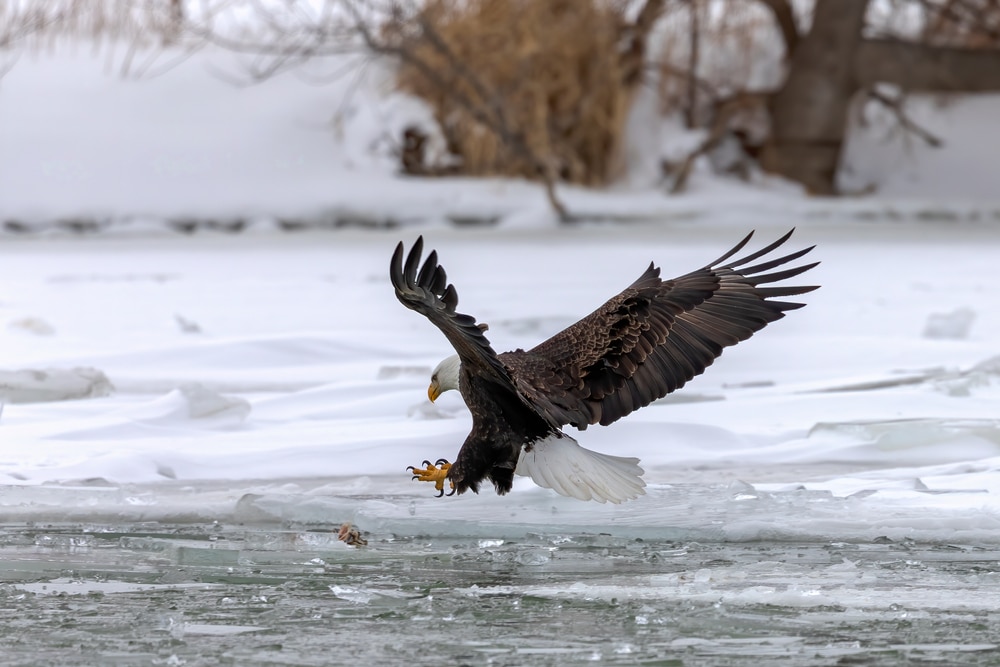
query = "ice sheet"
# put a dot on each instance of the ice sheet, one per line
(304, 396)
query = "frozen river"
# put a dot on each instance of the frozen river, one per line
(224, 593)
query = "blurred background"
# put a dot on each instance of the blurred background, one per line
(224, 114)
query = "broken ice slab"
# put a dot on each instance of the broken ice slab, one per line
(398, 371)
(377, 596)
(990, 366)
(740, 491)
(687, 397)
(962, 385)
(62, 541)
(66, 586)
(295, 540)
(954, 325)
(191, 401)
(200, 556)
(53, 384)
(975, 434)
(77, 495)
(949, 380)
(896, 380)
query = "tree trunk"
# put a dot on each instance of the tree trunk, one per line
(809, 113)
(830, 64)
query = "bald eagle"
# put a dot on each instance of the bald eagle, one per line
(639, 346)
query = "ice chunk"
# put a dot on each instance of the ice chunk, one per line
(351, 594)
(444, 408)
(53, 384)
(384, 597)
(60, 541)
(977, 438)
(218, 630)
(204, 403)
(954, 325)
(191, 401)
(186, 325)
(398, 371)
(989, 366)
(961, 385)
(740, 490)
(66, 586)
(196, 556)
(32, 325)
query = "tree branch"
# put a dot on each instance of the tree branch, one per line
(897, 106)
(784, 15)
(634, 55)
(692, 73)
(725, 111)
(922, 68)
(953, 16)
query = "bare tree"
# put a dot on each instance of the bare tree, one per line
(834, 61)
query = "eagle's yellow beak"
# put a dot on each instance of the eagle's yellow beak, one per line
(433, 391)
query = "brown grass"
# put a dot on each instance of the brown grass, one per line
(528, 85)
(42, 24)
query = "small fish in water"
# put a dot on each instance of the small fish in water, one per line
(351, 535)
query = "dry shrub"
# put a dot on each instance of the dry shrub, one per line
(42, 24)
(522, 86)
(965, 23)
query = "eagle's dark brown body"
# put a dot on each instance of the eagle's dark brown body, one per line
(639, 346)
(501, 426)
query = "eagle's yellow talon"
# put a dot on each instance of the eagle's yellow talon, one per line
(434, 472)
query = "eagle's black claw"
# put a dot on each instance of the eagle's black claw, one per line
(439, 462)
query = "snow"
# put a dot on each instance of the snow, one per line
(271, 376)
(307, 387)
(879, 155)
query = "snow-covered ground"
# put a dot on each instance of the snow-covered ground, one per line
(273, 376)
(283, 364)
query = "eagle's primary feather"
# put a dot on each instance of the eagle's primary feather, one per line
(642, 344)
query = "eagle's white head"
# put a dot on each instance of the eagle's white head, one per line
(444, 377)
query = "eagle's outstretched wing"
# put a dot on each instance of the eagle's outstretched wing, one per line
(428, 292)
(653, 337)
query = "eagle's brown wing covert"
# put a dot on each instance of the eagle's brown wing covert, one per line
(653, 337)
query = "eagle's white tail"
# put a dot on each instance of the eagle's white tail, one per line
(570, 470)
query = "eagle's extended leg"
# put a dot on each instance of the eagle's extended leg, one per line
(436, 472)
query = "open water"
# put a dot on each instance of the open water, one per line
(217, 594)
